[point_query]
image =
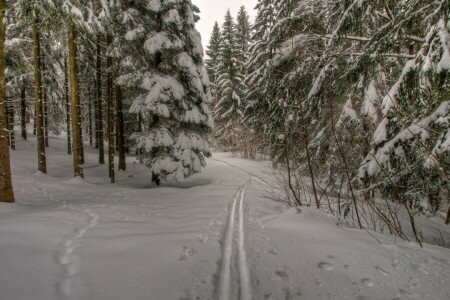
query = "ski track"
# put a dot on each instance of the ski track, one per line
(66, 256)
(224, 291)
(244, 273)
(254, 176)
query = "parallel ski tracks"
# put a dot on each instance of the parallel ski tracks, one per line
(234, 241)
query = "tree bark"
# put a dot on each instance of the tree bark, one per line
(447, 219)
(45, 101)
(10, 123)
(67, 99)
(90, 117)
(99, 106)
(120, 129)
(75, 101)
(23, 111)
(6, 189)
(39, 117)
(110, 114)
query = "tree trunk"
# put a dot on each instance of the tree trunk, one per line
(6, 189)
(110, 114)
(67, 99)
(23, 111)
(90, 117)
(120, 129)
(75, 101)
(308, 157)
(447, 219)
(99, 106)
(39, 113)
(45, 101)
(10, 123)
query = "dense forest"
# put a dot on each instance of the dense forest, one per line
(117, 74)
(352, 95)
(348, 98)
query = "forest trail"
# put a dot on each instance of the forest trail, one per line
(235, 238)
(219, 235)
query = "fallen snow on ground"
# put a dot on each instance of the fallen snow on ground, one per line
(216, 236)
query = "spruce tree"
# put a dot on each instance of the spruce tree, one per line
(174, 91)
(230, 86)
(212, 61)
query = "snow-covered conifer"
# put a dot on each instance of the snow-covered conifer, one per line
(174, 89)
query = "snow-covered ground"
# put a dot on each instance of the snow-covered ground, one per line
(217, 236)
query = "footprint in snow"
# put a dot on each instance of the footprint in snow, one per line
(382, 271)
(367, 281)
(325, 266)
(203, 238)
(186, 252)
(283, 274)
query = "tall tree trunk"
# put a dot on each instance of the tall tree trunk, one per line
(23, 111)
(10, 122)
(67, 99)
(90, 117)
(75, 101)
(120, 129)
(6, 189)
(99, 106)
(45, 100)
(110, 118)
(39, 113)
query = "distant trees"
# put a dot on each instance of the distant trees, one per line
(230, 80)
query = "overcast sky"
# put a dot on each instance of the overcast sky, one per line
(214, 10)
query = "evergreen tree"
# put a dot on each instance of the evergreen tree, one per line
(174, 94)
(243, 36)
(230, 86)
(212, 61)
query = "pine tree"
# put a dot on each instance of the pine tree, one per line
(260, 53)
(230, 86)
(174, 91)
(243, 36)
(212, 62)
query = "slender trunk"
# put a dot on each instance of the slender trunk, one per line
(347, 173)
(413, 224)
(90, 116)
(120, 129)
(6, 189)
(99, 106)
(289, 171)
(45, 101)
(10, 123)
(75, 101)
(23, 111)
(308, 157)
(39, 113)
(67, 99)
(447, 219)
(110, 118)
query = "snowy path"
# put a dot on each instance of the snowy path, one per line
(225, 281)
(216, 236)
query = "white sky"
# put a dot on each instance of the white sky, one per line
(214, 10)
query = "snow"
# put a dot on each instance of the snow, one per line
(162, 41)
(78, 238)
(371, 101)
(348, 113)
(390, 100)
